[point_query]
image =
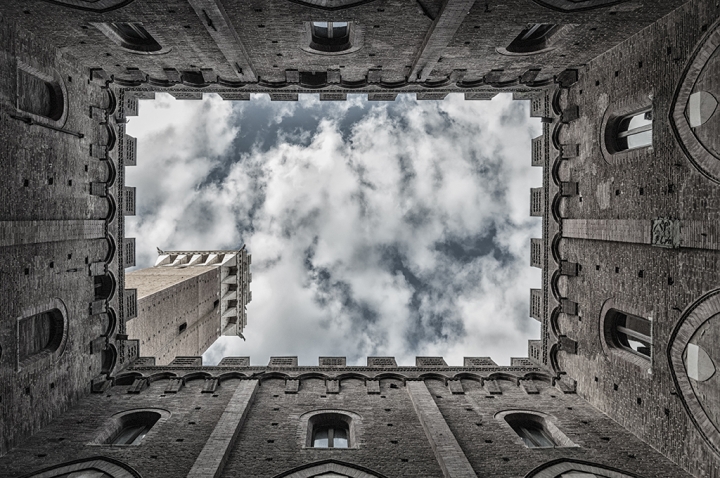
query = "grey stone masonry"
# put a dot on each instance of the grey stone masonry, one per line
(234, 362)
(332, 361)
(430, 362)
(217, 448)
(213, 16)
(449, 455)
(441, 33)
(381, 362)
(478, 362)
(187, 362)
(283, 362)
(14, 233)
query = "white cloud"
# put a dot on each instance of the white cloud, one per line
(364, 242)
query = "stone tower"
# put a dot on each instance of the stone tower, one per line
(187, 300)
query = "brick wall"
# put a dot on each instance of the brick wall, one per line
(609, 231)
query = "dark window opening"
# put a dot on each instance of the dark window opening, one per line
(532, 430)
(330, 430)
(629, 332)
(182, 327)
(216, 303)
(132, 36)
(40, 333)
(39, 97)
(330, 36)
(104, 286)
(534, 38)
(134, 427)
(634, 131)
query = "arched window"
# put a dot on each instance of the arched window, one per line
(104, 286)
(93, 467)
(131, 36)
(535, 429)
(330, 469)
(40, 334)
(39, 96)
(330, 430)
(633, 131)
(580, 474)
(330, 36)
(577, 5)
(531, 428)
(133, 427)
(86, 473)
(92, 5)
(629, 332)
(571, 468)
(533, 39)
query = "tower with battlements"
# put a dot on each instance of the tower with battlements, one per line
(187, 300)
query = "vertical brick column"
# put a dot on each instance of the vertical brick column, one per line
(212, 458)
(439, 36)
(449, 455)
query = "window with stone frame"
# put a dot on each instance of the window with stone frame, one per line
(99, 6)
(633, 131)
(629, 332)
(39, 96)
(580, 474)
(40, 334)
(330, 36)
(104, 286)
(531, 428)
(534, 38)
(133, 427)
(330, 430)
(130, 35)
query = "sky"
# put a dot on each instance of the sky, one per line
(376, 228)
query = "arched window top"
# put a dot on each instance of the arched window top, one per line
(330, 429)
(42, 332)
(535, 39)
(577, 5)
(535, 429)
(532, 39)
(331, 4)
(86, 473)
(629, 332)
(332, 37)
(130, 35)
(531, 428)
(568, 468)
(633, 131)
(94, 467)
(331, 469)
(92, 5)
(104, 286)
(41, 95)
(130, 428)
